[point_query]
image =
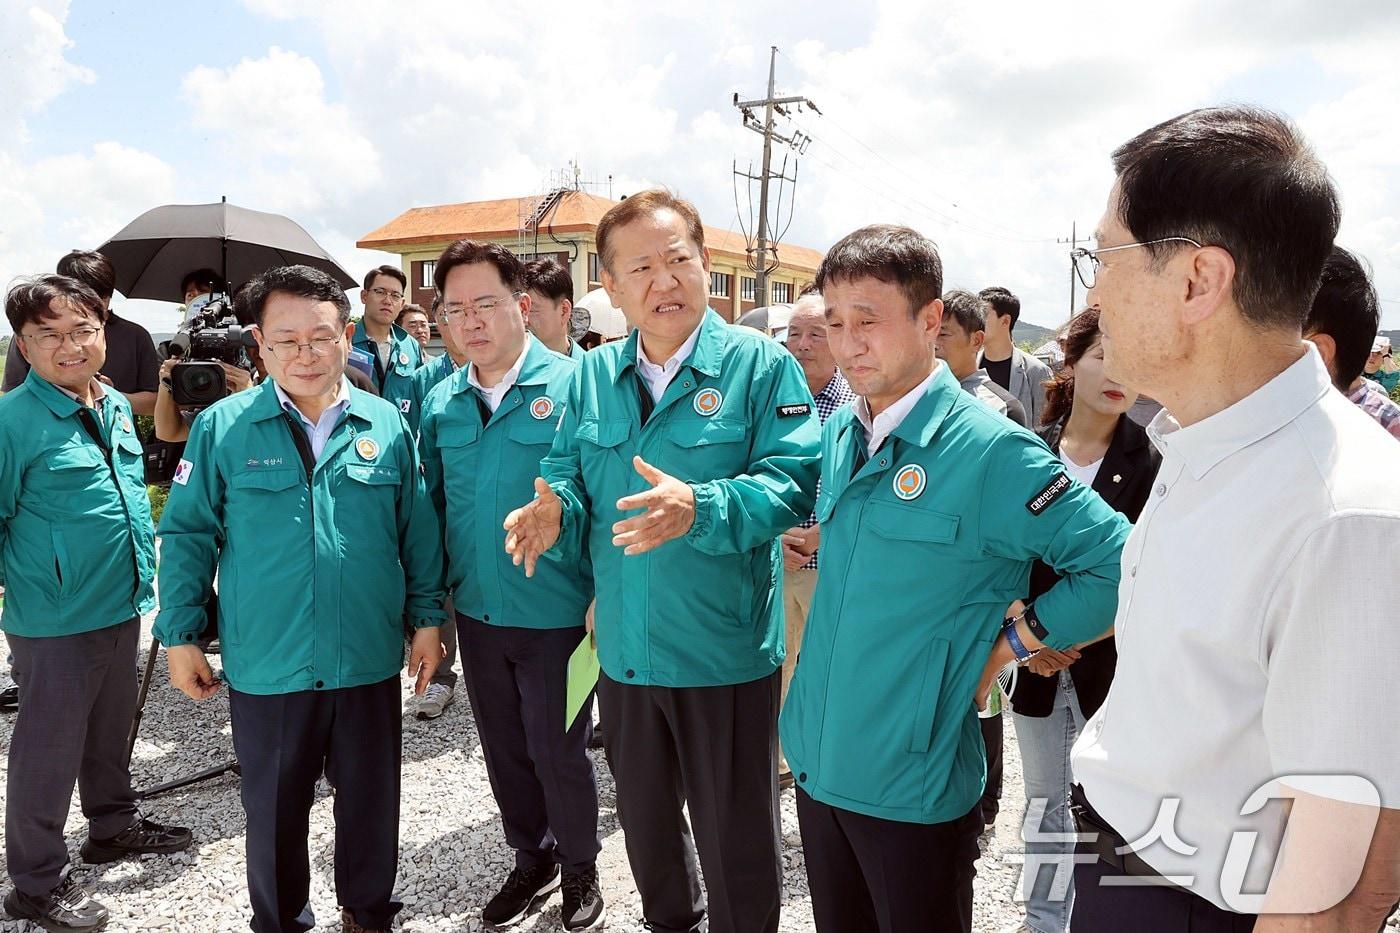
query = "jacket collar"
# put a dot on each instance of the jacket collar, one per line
(54, 398)
(538, 357)
(705, 358)
(397, 335)
(266, 404)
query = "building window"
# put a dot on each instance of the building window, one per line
(425, 278)
(719, 284)
(746, 288)
(782, 293)
(594, 275)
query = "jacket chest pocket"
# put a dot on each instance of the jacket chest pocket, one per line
(601, 443)
(72, 471)
(704, 449)
(533, 433)
(258, 499)
(459, 447)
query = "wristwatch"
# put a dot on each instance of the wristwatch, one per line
(1018, 647)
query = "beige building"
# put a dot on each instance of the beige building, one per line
(563, 224)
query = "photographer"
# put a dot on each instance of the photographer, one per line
(173, 424)
(131, 363)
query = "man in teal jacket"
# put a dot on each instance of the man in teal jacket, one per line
(708, 432)
(440, 693)
(77, 554)
(932, 509)
(305, 496)
(484, 433)
(395, 354)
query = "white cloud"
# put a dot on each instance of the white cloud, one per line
(33, 69)
(277, 134)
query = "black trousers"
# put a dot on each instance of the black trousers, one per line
(714, 748)
(1101, 907)
(990, 803)
(868, 874)
(541, 775)
(284, 742)
(77, 696)
(1145, 909)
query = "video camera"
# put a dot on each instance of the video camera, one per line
(210, 336)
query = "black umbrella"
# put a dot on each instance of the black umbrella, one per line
(158, 249)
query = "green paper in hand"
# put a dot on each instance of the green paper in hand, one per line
(582, 678)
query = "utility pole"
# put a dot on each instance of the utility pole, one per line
(797, 141)
(1073, 242)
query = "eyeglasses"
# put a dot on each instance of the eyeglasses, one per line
(456, 314)
(385, 293)
(81, 337)
(1086, 261)
(288, 350)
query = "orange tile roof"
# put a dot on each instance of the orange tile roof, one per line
(578, 212)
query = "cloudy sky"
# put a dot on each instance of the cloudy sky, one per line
(987, 125)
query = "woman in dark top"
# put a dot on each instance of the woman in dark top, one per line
(1085, 423)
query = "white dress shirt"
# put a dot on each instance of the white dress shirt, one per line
(1257, 627)
(658, 378)
(497, 393)
(318, 432)
(883, 424)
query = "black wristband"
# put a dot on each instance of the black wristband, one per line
(1035, 625)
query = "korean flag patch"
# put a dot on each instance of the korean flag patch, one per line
(405, 404)
(182, 472)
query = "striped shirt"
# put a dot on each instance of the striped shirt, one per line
(1373, 401)
(836, 393)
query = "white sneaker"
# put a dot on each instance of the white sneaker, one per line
(436, 699)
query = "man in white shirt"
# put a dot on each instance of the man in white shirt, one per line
(1256, 617)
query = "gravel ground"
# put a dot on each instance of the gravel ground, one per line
(453, 856)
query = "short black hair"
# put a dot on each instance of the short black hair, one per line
(394, 272)
(1003, 302)
(887, 253)
(470, 252)
(1348, 310)
(92, 269)
(1243, 179)
(301, 281)
(549, 277)
(407, 310)
(28, 300)
(206, 279)
(969, 310)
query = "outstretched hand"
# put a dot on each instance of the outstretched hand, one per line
(670, 511)
(533, 529)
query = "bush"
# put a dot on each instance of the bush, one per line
(157, 495)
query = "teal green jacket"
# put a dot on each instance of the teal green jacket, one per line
(924, 546)
(77, 550)
(1387, 381)
(395, 383)
(316, 574)
(576, 352)
(737, 424)
(425, 379)
(478, 473)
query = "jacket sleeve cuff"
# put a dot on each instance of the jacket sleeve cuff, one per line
(176, 626)
(706, 496)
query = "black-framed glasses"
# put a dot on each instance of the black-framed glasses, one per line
(288, 350)
(1086, 261)
(456, 313)
(81, 337)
